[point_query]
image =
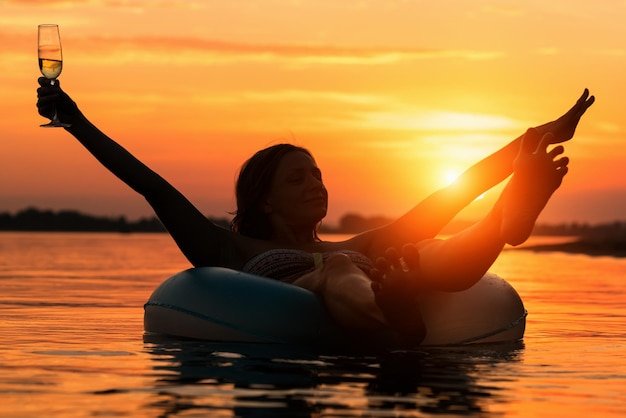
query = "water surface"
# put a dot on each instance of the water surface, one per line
(73, 346)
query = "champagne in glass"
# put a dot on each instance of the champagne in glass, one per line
(50, 61)
(50, 68)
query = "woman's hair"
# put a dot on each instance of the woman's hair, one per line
(252, 187)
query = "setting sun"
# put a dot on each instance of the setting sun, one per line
(392, 112)
(450, 176)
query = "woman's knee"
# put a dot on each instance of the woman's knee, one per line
(339, 264)
(345, 280)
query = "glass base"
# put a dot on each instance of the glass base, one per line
(55, 124)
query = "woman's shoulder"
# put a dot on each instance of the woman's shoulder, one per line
(359, 243)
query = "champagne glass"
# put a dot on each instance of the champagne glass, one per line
(50, 62)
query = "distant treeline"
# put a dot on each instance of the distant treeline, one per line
(33, 219)
(354, 223)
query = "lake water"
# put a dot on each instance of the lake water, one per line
(71, 323)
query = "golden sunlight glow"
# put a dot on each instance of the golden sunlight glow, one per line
(451, 176)
(465, 121)
(393, 98)
(439, 120)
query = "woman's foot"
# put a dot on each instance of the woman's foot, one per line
(537, 173)
(395, 282)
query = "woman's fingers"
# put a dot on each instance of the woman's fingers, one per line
(556, 151)
(382, 264)
(51, 99)
(561, 163)
(393, 258)
(411, 256)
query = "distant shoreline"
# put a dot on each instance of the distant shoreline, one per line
(594, 240)
(592, 247)
(616, 249)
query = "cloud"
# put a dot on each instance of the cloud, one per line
(441, 121)
(316, 96)
(181, 50)
(504, 10)
(266, 51)
(190, 49)
(44, 2)
(612, 53)
(133, 4)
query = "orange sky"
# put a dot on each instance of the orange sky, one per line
(392, 97)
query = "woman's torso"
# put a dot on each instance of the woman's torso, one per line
(287, 265)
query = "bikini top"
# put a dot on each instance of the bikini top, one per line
(288, 265)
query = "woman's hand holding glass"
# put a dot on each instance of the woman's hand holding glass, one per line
(50, 63)
(52, 100)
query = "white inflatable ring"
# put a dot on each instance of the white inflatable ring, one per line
(218, 304)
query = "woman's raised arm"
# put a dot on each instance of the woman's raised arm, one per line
(201, 241)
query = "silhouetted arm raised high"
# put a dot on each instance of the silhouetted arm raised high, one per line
(201, 241)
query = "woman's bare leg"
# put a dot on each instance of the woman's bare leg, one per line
(396, 285)
(453, 264)
(536, 176)
(346, 291)
(349, 296)
(461, 260)
(458, 262)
